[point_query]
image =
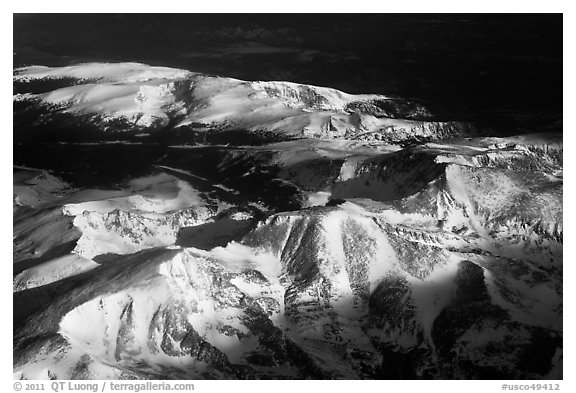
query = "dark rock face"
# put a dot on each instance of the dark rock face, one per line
(393, 108)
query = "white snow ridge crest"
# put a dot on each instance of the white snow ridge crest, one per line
(146, 96)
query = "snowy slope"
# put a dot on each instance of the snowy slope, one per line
(317, 280)
(146, 96)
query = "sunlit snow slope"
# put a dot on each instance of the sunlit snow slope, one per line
(156, 97)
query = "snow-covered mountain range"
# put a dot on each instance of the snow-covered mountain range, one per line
(155, 97)
(344, 252)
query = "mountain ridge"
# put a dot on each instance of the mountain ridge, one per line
(152, 97)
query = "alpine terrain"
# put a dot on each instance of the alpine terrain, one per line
(169, 224)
